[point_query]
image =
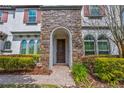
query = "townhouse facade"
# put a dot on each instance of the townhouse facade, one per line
(20, 33)
(60, 34)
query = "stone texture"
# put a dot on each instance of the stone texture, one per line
(70, 19)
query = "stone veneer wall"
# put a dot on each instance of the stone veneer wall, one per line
(70, 19)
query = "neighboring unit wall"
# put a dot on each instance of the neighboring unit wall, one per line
(15, 24)
(20, 26)
(96, 26)
(89, 20)
(15, 47)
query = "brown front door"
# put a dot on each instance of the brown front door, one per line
(60, 50)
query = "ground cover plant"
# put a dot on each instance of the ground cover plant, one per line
(110, 70)
(102, 71)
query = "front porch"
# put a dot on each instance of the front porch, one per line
(60, 47)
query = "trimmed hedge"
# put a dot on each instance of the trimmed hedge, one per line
(110, 70)
(34, 56)
(16, 63)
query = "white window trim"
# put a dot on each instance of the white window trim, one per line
(36, 16)
(29, 43)
(37, 46)
(21, 46)
(93, 50)
(1, 16)
(107, 50)
(5, 45)
(90, 8)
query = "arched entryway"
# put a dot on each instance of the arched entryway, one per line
(60, 47)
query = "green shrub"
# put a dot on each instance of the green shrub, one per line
(79, 72)
(91, 58)
(26, 63)
(34, 56)
(16, 63)
(110, 70)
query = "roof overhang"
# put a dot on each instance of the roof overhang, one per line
(26, 33)
(13, 7)
(73, 7)
(56, 7)
(6, 7)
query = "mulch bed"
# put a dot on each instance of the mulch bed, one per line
(35, 71)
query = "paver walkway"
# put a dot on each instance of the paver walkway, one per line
(60, 76)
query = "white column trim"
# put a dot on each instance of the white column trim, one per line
(35, 46)
(51, 46)
(27, 47)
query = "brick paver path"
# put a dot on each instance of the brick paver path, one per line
(61, 76)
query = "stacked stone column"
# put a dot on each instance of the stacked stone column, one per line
(70, 19)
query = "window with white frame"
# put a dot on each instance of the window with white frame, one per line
(94, 10)
(23, 47)
(89, 43)
(122, 17)
(1, 16)
(103, 45)
(32, 15)
(31, 46)
(7, 45)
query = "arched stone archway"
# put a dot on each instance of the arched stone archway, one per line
(60, 47)
(62, 24)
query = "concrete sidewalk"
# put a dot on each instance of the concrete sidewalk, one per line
(60, 76)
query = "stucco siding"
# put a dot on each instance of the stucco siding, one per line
(87, 21)
(15, 47)
(15, 24)
(1, 45)
(20, 26)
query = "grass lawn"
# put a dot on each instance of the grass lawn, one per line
(28, 86)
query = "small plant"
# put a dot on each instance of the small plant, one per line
(79, 72)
